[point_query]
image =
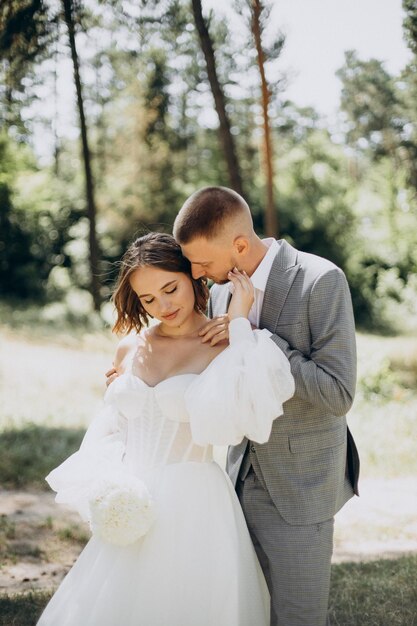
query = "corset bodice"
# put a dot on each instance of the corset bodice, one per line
(155, 421)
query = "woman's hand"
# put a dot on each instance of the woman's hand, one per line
(243, 295)
(111, 375)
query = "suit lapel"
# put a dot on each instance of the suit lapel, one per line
(281, 277)
(283, 272)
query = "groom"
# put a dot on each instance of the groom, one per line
(291, 487)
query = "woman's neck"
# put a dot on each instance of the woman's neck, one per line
(189, 328)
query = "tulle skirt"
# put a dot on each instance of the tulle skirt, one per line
(195, 567)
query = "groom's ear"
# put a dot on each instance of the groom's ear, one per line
(241, 245)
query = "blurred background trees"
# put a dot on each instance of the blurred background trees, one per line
(167, 99)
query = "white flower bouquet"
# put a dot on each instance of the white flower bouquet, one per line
(121, 510)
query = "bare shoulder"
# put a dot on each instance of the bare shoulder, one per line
(125, 348)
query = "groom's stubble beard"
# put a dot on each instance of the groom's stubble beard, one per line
(221, 281)
(230, 265)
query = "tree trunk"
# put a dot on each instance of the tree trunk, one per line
(226, 137)
(57, 147)
(271, 218)
(86, 155)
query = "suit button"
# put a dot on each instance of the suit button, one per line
(252, 448)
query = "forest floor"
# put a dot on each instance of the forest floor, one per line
(44, 539)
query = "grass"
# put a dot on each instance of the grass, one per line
(73, 533)
(7, 528)
(27, 454)
(52, 382)
(23, 550)
(22, 609)
(379, 593)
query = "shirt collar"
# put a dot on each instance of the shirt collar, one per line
(259, 277)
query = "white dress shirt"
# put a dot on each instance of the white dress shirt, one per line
(259, 279)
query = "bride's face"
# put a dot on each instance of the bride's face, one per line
(167, 296)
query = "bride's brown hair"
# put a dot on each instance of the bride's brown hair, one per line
(155, 250)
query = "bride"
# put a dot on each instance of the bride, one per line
(169, 545)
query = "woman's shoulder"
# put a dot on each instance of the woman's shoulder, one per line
(126, 346)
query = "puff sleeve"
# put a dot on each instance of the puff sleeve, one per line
(242, 391)
(101, 454)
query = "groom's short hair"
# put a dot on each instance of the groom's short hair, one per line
(205, 213)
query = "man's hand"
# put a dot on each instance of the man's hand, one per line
(111, 375)
(216, 330)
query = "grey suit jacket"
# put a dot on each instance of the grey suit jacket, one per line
(310, 464)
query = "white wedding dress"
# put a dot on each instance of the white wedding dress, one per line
(196, 566)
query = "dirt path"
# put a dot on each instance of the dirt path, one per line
(39, 540)
(381, 523)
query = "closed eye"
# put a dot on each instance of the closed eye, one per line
(152, 299)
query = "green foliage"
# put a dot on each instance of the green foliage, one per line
(381, 114)
(371, 104)
(410, 24)
(379, 384)
(26, 31)
(315, 210)
(34, 230)
(154, 136)
(28, 454)
(32, 246)
(315, 204)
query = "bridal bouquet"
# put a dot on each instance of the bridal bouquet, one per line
(121, 510)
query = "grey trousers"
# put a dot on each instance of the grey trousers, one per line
(295, 559)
